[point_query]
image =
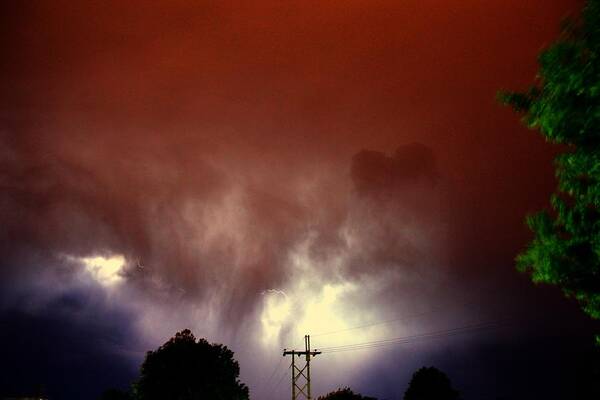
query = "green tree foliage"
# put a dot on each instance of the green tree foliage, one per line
(429, 383)
(188, 369)
(344, 394)
(564, 105)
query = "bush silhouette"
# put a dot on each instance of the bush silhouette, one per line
(344, 394)
(429, 383)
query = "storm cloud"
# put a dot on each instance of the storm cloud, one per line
(260, 171)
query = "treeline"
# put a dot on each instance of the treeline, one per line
(186, 368)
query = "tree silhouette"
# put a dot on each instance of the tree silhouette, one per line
(188, 369)
(429, 383)
(564, 106)
(115, 394)
(344, 394)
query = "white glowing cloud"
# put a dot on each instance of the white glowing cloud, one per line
(325, 312)
(276, 311)
(107, 271)
(327, 309)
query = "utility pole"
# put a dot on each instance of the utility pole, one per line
(304, 372)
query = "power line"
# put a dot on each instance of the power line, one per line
(304, 373)
(419, 334)
(402, 318)
(266, 383)
(281, 379)
(409, 339)
(412, 338)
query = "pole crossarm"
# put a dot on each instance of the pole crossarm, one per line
(304, 372)
(300, 353)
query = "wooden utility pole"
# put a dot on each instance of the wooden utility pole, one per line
(304, 372)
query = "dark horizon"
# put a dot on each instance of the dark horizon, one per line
(257, 172)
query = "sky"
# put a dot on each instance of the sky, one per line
(258, 171)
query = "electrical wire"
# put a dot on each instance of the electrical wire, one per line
(281, 378)
(399, 319)
(412, 338)
(398, 340)
(277, 366)
(405, 340)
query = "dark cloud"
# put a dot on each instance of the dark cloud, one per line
(72, 347)
(376, 173)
